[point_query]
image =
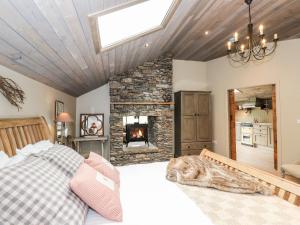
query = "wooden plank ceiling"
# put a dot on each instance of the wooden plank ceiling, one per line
(50, 40)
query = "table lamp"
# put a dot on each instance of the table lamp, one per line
(64, 118)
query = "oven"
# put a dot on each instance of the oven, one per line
(247, 134)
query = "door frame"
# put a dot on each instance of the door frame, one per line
(232, 130)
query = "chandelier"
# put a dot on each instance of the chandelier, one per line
(255, 47)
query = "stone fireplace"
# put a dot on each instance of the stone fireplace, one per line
(145, 91)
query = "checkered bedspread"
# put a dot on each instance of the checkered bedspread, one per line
(36, 191)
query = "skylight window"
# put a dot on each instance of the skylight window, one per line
(132, 20)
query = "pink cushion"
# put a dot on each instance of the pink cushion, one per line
(103, 166)
(98, 192)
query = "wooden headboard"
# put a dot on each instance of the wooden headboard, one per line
(16, 133)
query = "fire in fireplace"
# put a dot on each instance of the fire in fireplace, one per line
(136, 132)
(136, 129)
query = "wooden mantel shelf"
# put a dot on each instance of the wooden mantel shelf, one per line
(142, 103)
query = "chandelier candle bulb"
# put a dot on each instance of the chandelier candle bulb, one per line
(229, 45)
(263, 43)
(275, 36)
(242, 48)
(236, 36)
(261, 29)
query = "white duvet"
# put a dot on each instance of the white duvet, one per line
(149, 199)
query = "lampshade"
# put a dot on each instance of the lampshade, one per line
(64, 117)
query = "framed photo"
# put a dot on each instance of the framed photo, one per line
(59, 108)
(91, 124)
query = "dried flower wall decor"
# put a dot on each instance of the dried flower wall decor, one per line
(12, 92)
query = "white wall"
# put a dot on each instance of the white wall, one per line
(189, 75)
(283, 69)
(39, 99)
(96, 101)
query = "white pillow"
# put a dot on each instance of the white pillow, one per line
(3, 159)
(43, 145)
(15, 159)
(35, 148)
(27, 150)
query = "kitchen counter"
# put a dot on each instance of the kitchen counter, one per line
(254, 134)
(262, 124)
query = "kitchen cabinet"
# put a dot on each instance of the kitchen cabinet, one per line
(192, 122)
(263, 134)
(261, 139)
(270, 136)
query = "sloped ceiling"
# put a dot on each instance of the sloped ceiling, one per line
(50, 40)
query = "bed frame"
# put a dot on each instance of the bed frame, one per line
(283, 188)
(17, 133)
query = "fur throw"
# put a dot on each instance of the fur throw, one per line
(198, 171)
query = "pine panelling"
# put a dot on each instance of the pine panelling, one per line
(83, 8)
(49, 10)
(24, 49)
(23, 69)
(51, 41)
(21, 27)
(9, 50)
(70, 16)
(33, 15)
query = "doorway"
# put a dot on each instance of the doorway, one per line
(253, 126)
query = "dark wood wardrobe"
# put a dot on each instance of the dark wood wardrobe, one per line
(193, 127)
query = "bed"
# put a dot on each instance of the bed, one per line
(148, 198)
(145, 193)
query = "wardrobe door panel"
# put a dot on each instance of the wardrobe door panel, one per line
(203, 128)
(188, 132)
(188, 104)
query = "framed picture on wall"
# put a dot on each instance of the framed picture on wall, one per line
(59, 108)
(91, 124)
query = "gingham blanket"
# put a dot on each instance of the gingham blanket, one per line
(36, 191)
